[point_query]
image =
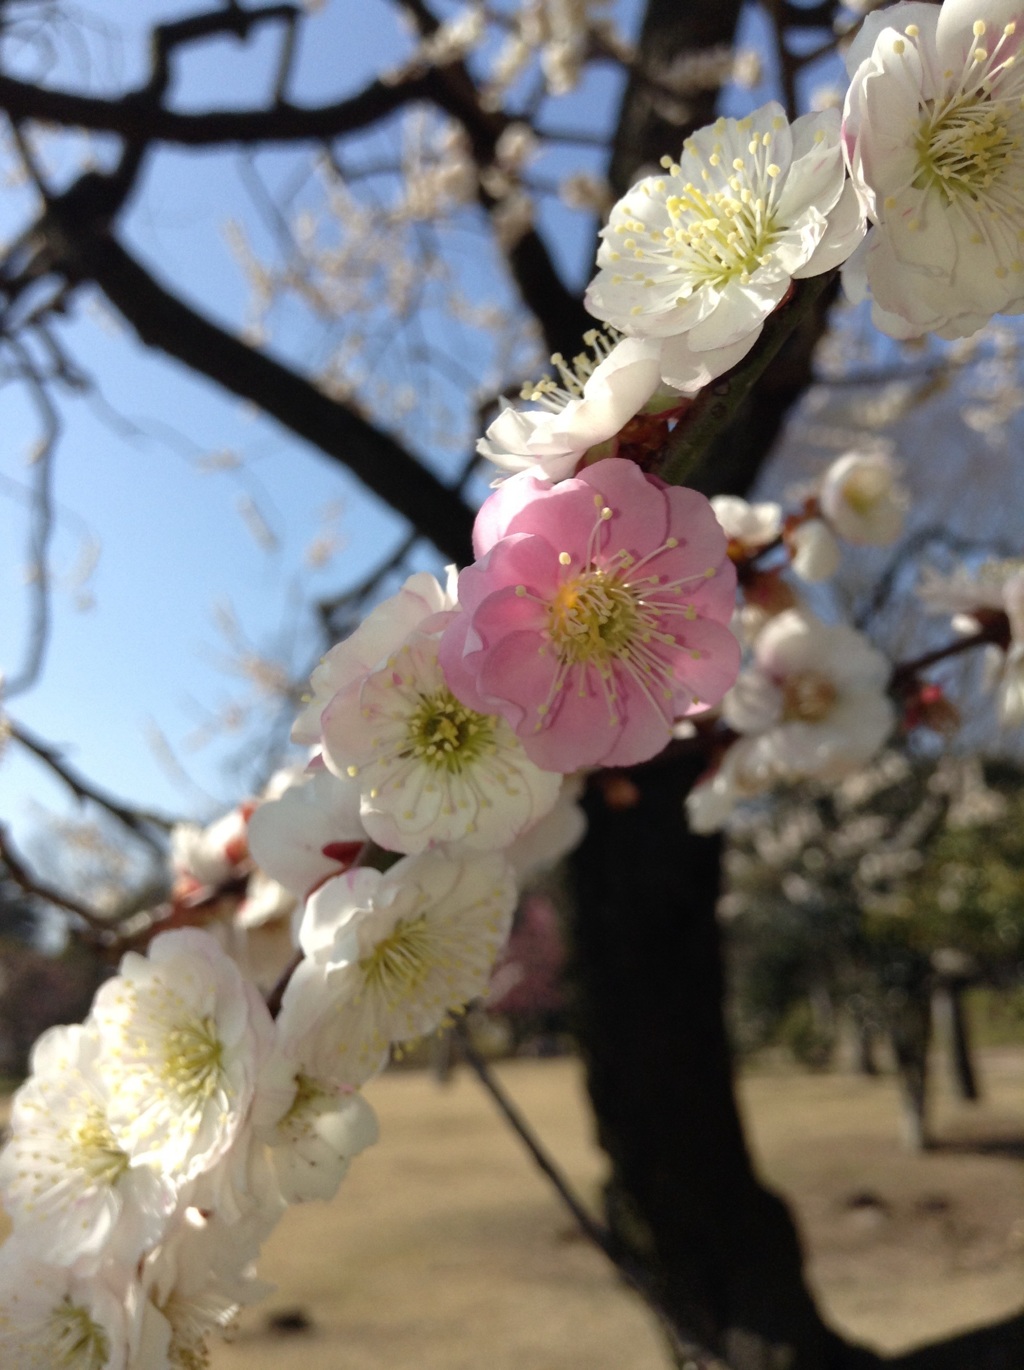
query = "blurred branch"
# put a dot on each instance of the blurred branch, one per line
(909, 551)
(336, 614)
(558, 310)
(688, 1352)
(788, 64)
(138, 118)
(995, 630)
(163, 321)
(138, 821)
(99, 927)
(41, 528)
(333, 613)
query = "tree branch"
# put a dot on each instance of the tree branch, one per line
(717, 405)
(697, 1357)
(99, 928)
(997, 1347)
(165, 322)
(137, 117)
(42, 528)
(138, 821)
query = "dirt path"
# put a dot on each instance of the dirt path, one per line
(445, 1250)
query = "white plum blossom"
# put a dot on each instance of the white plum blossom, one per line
(194, 1285)
(863, 499)
(934, 136)
(314, 1144)
(590, 407)
(183, 1038)
(51, 1316)
(741, 774)
(266, 901)
(814, 550)
(551, 837)
(749, 527)
(310, 831)
(1008, 675)
(209, 855)
(429, 769)
(389, 957)
(312, 1137)
(973, 595)
(260, 938)
(362, 651)
(813, 700)
(701, 255)
(969, 589)
(67, 1184)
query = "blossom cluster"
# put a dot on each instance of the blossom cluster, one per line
(155, 1146)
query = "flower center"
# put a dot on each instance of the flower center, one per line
(74, 1341)
(95, 1149)
(592, 617)
(965, 145)
(807, 697)
(308, 1093)
(573, 375)
(721, 235)
(400, 963)
(611, 624)
(722, 226)
(190, 1321)
(193, 1055)
(447, 736)
(191, 1357)
(865, 489)
(999, 571)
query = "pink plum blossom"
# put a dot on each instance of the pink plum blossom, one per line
(595, 615)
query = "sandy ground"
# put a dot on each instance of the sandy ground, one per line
(445, 1249)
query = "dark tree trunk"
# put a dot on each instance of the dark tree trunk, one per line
(683, 1198)
(864, 1045)
(952, 1015)
(910, 1031)
(722, 1250)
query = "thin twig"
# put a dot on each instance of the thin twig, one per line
(696, 1357)
(995, 632)
(595, 1230)
(41, 528)
(99, 927)
(136, 820)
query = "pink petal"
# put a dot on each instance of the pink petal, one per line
(707, 678)
(639, 519)
(515, 678)
(499, 509)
